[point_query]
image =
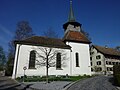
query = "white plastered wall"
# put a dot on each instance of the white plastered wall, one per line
(84, 58)
(22, 60)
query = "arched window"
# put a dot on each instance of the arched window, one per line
(77, 59)
(32, 59)
(58, 61)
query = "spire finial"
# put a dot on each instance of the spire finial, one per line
(71, 17)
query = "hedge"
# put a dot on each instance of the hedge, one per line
(51, 78)
(116, 74)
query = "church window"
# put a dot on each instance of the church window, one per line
(58, 61)
(77, 59)
(32, 59)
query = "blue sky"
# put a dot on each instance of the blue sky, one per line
(100, 18)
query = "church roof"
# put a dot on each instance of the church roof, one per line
(107, 51)
(75, 36)
(44, 41)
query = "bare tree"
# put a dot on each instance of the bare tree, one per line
(48, 57)
(2, 58)
(50, 33)
(86, 34)
(23, 31)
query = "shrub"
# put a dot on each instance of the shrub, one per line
(117, 79)
(116, 69)
(116, 74)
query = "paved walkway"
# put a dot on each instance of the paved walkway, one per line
(96, 83)
(7, 83)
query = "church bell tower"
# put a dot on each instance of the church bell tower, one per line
(71, 24)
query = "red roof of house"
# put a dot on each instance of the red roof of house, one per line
(107, 51)
(75, 36)
(43, 41)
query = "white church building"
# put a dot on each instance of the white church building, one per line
(67, 56)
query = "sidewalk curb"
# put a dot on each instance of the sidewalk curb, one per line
(118, 88)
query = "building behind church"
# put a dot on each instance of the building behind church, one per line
(74, 45)
(103, 59)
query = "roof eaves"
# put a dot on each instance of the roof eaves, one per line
(36, 44)
(77, 41)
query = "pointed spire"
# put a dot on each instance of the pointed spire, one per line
(71, 17)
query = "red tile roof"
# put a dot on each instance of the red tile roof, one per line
(75, 36)
(44, 41)
(107, 51)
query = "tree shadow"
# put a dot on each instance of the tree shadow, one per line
(13, 87)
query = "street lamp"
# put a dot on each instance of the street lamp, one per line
(24, 68)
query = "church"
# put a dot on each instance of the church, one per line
(37, 55)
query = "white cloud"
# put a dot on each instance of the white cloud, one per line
(5, 30)
(5, 36)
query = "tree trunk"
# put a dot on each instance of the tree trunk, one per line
(47, 71)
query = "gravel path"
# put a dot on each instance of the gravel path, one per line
(96, 83)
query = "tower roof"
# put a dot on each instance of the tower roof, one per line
(71, 17)
(75, 36)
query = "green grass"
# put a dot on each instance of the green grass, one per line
(51, 78)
